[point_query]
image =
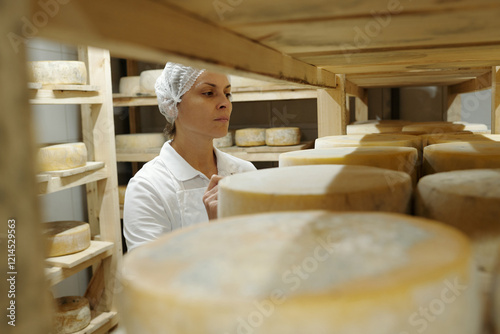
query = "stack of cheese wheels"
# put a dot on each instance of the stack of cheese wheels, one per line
(403, 159)
(434, 127)
(463, 138)
(250, 137)
(375, 139)
(147, 81)
(72, 314)
(226, 141)
(130, 85)
(304, 272)
(460, 155)
(62, 156)
(57, 72)
(139, 141)
(66, 237)
(379, 127)
(329, 187)
(285, 136)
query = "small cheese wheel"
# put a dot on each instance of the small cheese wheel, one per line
(460, 155)
(121, 194)
(330, 187)
(139, 141)
(470, 201)
(375, 139)
(130, 85)
(66, 237)
(304, 272)
(403, 159)
(147, 81)
(283, 136)
(62, 156)
(353, 129)
(57, 72)
(434, 127)
(250, 137)
(72, 314)
(226, 141)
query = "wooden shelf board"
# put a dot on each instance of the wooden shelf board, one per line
(49, 184)
(86, 95)
(61, 87)
(100, 324)
(120, 100)
(136, 155)
(90, 166)
(263, 153)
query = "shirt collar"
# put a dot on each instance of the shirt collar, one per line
(177, 165)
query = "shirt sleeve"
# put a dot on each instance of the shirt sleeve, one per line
(144, 215)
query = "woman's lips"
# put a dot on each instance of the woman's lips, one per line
(222, 119)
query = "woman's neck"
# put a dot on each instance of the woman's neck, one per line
(198, 152)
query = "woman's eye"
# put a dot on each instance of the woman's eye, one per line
(208, 93)
(228, 95)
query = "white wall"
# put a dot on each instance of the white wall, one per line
(476, 107)
(60, 124)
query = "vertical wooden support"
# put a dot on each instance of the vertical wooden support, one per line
(495, 100)
(133, 112)
(99, 135)
(332, 113)
(25, 298)
(453, 106)
(361, 108)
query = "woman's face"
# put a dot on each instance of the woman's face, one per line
(205, 109)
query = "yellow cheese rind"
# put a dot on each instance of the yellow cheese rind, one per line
(434, 127)
(375, 139)
(57, 72)
(285, 136)
(329, 187)
(66, 237)
(250, 137)
(303, 272)
(130, 85)
(367, 128)
(62, 156)
(139, 141)
(147, 81)
(453, 138)
(72, 314)
(459, 156)
(470, 201)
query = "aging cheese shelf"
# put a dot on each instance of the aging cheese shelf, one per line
(64, 94)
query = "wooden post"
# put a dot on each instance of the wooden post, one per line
(495, 100)
(23, 286)
(361, 108)
(332, 113)
(453, 106)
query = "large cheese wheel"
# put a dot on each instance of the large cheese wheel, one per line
(139, 141)
(462, 138)
(461, 155)
(57, 72)
(474, 127)
(470, 201)
(331, 187)
(226, 141)
(374, 139)
(66, 237)
(353, 129)
(62, 156)
(434, 127)
(304, 272)
(72, 314)
(250, 137)
(403, 159)
(148, 79)
(130, 85)
(283, 136)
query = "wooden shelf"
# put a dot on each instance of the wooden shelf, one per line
(64, 94)
(263, 153)
(120, 100)
(49, 182)
(61, 267)
(137, 156)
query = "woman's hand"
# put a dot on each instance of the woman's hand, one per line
(210, 198)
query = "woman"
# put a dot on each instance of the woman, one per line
(178, 188)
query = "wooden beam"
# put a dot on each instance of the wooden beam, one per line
(161, 32)
(27, 308)
(332, 113)
(479, 83)
(495, 100)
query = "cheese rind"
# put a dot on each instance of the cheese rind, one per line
(453, 138)
(139, 141)
(130, 85)
(226, 141)
(303, 272)
(147, 81)
(250, 137)
(285, 136)
(72, 314)
(367, 128)
(66, 237)
(57, 72)
(375, 139)
(329, 187)
(62, 156)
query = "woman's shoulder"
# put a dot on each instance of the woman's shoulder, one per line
(234, 164)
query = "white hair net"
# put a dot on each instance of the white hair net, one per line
(175, 81)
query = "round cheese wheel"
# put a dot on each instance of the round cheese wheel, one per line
(403, 159)
(433, 138)
(62, 156)
(139, 141)
(72, 314)
(353, 129)
(461, 155)
(434, 127)
(147, 81)
(66, 237)
(283, 136)
(57, 72)
(330, 187)
(130, 85)
(121, 194)
(304, 272)
(226, 141)
(375, 139)
(250, 137)
(470, 201)
(462, 138)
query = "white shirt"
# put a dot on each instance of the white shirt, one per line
(166, 194)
